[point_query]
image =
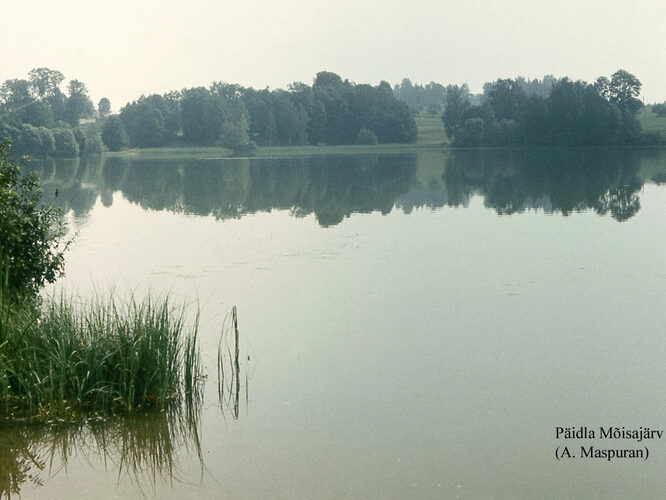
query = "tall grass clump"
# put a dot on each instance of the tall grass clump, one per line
(64, 357)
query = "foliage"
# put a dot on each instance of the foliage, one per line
(457, 101)
(104, 107)
(113, 134)
(574, 113)
(36, 113)
(31, 233)
(202, 116)
(47, 141)
(39, 102)
(659, 109)
(416, 96)
(89, 139)
(65, 142)
(78, 104)
(45, 82)
(151, 121)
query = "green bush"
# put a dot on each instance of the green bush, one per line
(32, 234)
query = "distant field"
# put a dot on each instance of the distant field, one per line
(652, 122)
(430, 129)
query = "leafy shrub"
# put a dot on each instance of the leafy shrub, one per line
(65, 142)
(31, 234)
(48, 142)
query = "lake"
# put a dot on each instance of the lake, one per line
(412, 325)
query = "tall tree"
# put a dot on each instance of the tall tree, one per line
(15, 94)
(457, 101)
(624, 89)
(104, 107)
(45, 82)
(78, 104)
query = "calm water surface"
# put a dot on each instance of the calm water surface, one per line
(417, 325)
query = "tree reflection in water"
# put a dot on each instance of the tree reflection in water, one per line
(332, 188)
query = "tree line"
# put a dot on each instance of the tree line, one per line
(330, 111)
(433, 95)
(43, 120)
(558, 112)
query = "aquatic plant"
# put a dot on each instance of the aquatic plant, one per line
(66, 356)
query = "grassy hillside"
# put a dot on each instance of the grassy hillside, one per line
(651, 122)
(430, 129)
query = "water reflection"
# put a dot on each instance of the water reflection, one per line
(332, 188)
(229, 373)
(556, 181)
(144, 448)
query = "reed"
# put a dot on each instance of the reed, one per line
(105, 355)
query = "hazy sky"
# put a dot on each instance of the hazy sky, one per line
(122, 49)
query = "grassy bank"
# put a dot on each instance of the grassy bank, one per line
(61, 358)
(272, 152)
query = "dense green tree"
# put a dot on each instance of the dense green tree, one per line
(37, 113)
(574, 113)
(104, 107)
(57, 102)
(15, 94)
(327, 79)
(235, 134)
(288, 124)
(150, 121)
(416, 96)
(202, 115)
(113, 134)
(45, 82)
(624, 89)
(78, 105)
(507, 99)
(457, 101)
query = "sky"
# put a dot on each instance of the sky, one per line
(122, 49)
